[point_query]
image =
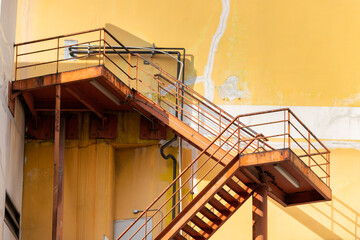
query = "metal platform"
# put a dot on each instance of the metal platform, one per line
(290, 181)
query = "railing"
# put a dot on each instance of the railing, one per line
(52, 55)
(279, 128)
(283, 129)
(203, 170)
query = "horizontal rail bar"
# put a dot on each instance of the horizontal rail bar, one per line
(59, 36)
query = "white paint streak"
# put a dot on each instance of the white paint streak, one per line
(208, 83)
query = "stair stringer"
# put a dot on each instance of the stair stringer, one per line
(203, 198)
(196, 139)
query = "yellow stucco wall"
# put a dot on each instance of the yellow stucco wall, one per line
(302, 54)
(104, 181)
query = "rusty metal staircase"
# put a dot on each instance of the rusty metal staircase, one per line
(234, 157)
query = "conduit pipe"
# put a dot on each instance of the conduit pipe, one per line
(174, 169)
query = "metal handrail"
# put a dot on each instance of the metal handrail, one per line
(228, 132)
(201, 154)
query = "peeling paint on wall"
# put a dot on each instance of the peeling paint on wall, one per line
(229, 89)
(352, 99)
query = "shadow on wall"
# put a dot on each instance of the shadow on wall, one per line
(329, 220)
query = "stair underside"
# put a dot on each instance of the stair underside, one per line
(42, 92)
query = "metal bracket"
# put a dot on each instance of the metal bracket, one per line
(151, 130)
(103, 128)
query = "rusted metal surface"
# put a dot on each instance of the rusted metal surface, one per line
(11, 99)
(29, 99)
(280, 188)
(88, 101)
(207, 196)
(259, 213)
(152, 129)
(103, 127)
(61, 78)
(59, 155)
(213, 131)
(40, 128)
(71, 126)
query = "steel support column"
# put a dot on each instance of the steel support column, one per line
(259, 213)
(59, 154)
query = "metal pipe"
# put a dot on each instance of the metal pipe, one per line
(75, 50)
(174, 169)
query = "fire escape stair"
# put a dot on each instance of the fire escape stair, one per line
(216, 203)
(229, 189)
(196, 139)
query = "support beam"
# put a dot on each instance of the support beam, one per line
(259, 213)
(29, 99)
(84, 99)
(59, 155)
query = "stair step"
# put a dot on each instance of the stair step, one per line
(192, 232)
(228, 197)
(201, 224)
(235, 187)
(178, 237)
(219, 206)
(211, 216)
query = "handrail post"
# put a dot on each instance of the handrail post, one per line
(239, 135)
(309, 141)
(57, 57)
(220, 122)
(159, 93)
(129, 59)
(137, 72)
(99, 47)
(288, 129)
(16, 61)
(198, 116)
(146, 225)
(284, 127)
(177, 99)
(328, 169)
(104, 53)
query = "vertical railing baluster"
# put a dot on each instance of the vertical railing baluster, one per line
(220, 127)
(104, 53)
(99, 47)
(309, 140)
(284, 127)
(328, 169)
(16, 62)
(137, 72)
(159, 93)
(129, 58)
(57, 56)
(239, 135)
(146, 226)
(177, 99)
(198, 118)
(289, 129)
